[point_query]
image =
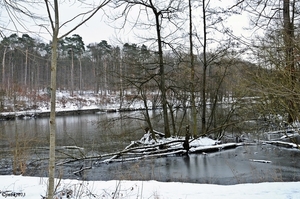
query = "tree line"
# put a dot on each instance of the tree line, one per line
(95, 67)
(188, 75)
(181, 67)
(98, 67)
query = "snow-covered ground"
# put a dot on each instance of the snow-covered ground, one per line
(35, 188)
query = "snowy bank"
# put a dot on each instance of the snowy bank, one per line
(35, 187)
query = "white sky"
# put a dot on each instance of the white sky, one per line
(98, 27)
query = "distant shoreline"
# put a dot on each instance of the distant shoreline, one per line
(40, 114)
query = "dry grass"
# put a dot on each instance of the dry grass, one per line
(21, 146)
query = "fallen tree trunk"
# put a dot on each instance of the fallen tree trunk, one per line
(138, 149)
(176, 152)
(261, 161)
(283, 144)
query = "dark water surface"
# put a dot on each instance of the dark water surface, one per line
(26, 141)
(226, 167)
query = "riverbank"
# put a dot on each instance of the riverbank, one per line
(61, 112)
(87, 103)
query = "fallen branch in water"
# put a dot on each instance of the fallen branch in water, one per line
(140, 148)
(79, 172)
(117, 155)
(148, 149)
(261, 161)
(177, 152)
(283, 144)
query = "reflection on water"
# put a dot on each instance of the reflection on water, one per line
(26, 142)
(226, 167)
(102, 133)
(93, 131)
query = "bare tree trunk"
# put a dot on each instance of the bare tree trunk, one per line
(147, 116)
(289, 56)
(193, 103)
(121, 85)
(105, 77)
(72, 73)
(3, 67)
(80, 75)
(162, 76)
(26, 67)
(55, 29)
(204, 71)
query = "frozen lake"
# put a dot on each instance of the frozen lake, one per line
(27, 141)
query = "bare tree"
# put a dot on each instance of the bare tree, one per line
(53, 9)
(275, 51)
(157, 13)
(209, 49)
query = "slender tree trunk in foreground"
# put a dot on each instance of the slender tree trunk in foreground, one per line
(55, 30)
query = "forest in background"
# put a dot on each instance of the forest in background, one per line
(128, 73)
(105, 69)
(195, 62)
(183, 67)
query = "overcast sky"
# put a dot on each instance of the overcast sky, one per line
(99, 27)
